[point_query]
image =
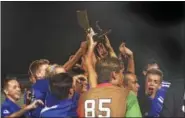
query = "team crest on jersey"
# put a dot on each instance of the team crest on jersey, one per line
(6, 111)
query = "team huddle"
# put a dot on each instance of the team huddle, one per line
(94, 82)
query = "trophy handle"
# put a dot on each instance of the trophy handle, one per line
(98, 27)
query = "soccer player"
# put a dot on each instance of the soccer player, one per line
(154, 91)
(39, 89)
(108, 98)
(9, 108)
(152, 64)
(144, 102)
(130, 82)
(63, 87)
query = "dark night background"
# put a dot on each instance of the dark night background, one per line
(34, 30)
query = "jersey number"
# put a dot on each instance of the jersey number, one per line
(100, 108)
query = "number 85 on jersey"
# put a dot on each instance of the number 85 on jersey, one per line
(90, 108)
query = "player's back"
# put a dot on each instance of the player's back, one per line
(107, 101)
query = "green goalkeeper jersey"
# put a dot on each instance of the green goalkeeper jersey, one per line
(133, 109)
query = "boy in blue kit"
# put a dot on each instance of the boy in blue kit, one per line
(39, 89)
(62, 86)
(40, 86)
(9, 108)
(156, 93)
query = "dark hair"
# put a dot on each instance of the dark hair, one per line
(34, 66)
(150, 62)
(60, 85)
(105, 67)
(155, 72)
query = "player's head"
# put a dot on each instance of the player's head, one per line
(101, 51)
(153, 81)
(151, 64)
(130, 82)
(54, 69)
(109, 70)
(61, 86)
(37, 69)
(12, 89)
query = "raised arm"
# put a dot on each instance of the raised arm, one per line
(71, 62)
(25, 109)
(109, 47)
(127, 53)
(89, 60)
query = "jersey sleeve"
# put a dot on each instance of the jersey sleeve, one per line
(133, 109)
(5, 111)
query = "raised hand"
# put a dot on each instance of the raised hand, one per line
(89, 59)
(77, 79)
(80, 83)
(127, 54)
(125, 51)
(90, 35)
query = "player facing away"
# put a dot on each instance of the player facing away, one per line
(108, 98)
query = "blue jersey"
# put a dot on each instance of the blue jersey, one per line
(65, 108)
(157, 102)
(8, 107)
(39, 91)
(165, 85)
(51, 100)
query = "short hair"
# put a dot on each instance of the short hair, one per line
(35, 65)
(105, 66)
(60, 85)
(155, 72)
(6, 81)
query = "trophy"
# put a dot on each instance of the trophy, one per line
(84, 23)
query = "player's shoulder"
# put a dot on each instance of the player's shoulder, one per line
(108, 89)
(5, 104)
(5, 110)
(119, 90)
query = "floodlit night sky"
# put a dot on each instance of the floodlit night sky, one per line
(35, 30)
